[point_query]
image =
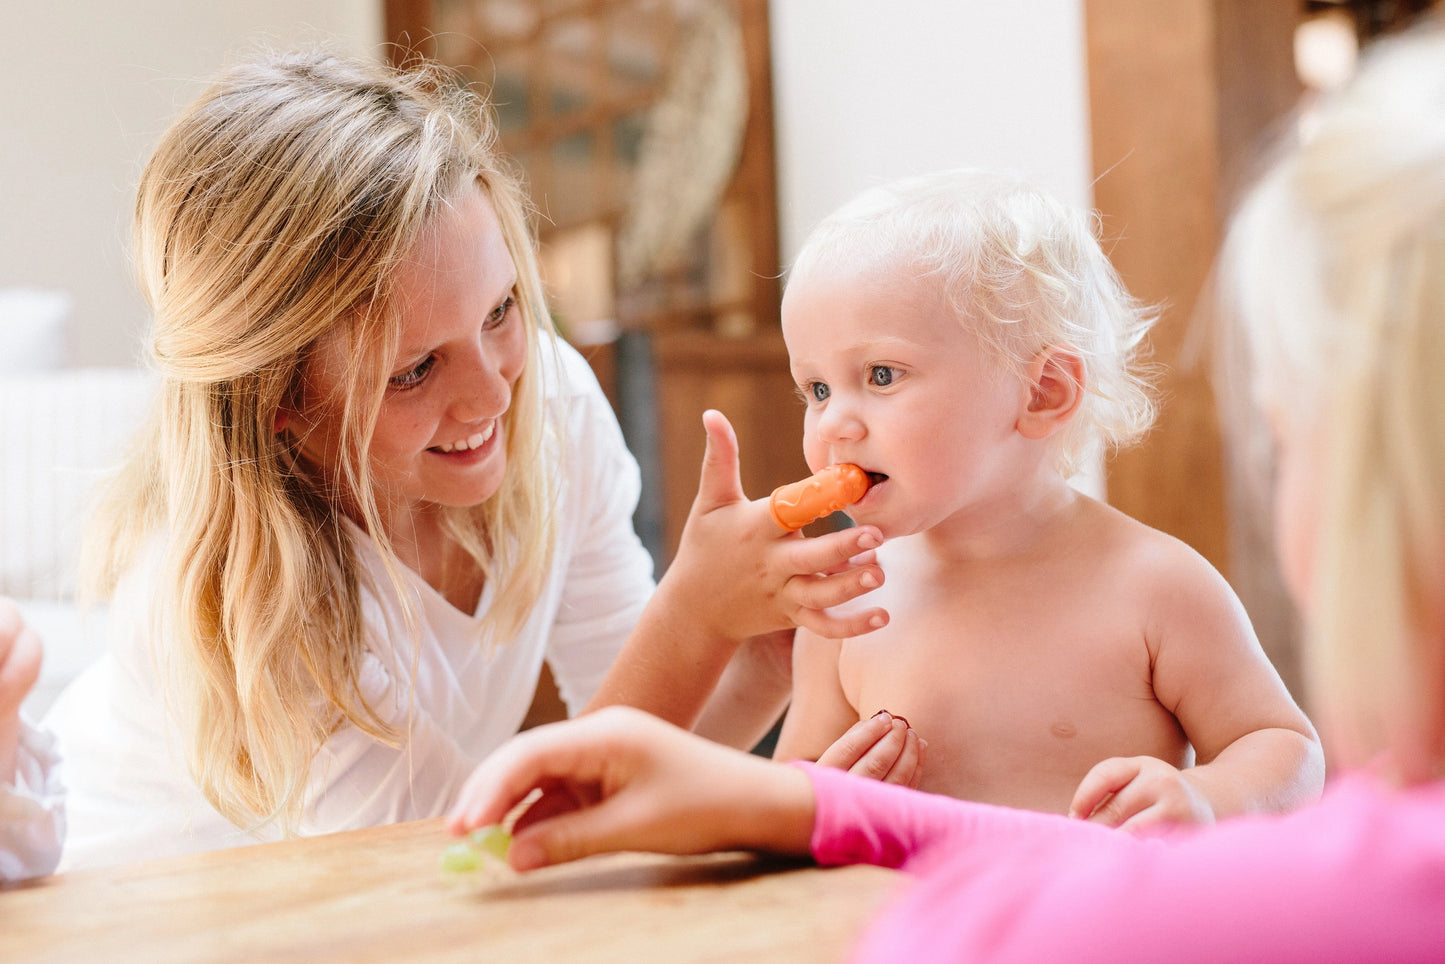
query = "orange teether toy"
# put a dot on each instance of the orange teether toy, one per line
(798, 503)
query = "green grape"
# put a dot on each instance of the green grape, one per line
(482, 846)
(460, 857)
(492, 840)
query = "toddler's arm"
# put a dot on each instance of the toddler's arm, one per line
(823, 727)
(1255, 749)
(32, 818)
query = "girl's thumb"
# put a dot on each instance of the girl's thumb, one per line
(721, 481)
(563, 838)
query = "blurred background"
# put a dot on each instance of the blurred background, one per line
(679, 150)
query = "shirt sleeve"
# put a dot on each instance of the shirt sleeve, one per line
(32, 809)
(359, 781)
(1361, 876)
(609, 572)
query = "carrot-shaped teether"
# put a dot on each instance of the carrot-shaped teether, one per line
(798, 503)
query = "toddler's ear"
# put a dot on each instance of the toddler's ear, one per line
(1056, 387)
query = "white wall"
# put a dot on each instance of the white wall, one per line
(89, 86)
(866, 91)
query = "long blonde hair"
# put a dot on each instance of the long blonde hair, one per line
(1335, 269)
(274, 212)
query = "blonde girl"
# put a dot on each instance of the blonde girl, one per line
(377, 491)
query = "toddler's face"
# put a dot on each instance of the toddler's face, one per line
(439, 438)
(895, 384)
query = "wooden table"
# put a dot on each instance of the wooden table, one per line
(379, 894)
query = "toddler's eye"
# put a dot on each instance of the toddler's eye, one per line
(412, 377)
(819, 391)
(880, 376)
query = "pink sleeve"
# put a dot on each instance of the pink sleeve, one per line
(1361, 876)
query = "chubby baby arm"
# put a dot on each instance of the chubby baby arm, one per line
(1255, 749)
(620, 779)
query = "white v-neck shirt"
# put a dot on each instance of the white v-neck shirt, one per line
(130, 795)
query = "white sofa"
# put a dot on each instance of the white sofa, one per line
(61, 431)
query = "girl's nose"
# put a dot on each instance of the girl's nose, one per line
(483, 390)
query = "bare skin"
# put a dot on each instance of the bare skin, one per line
(1045, 650)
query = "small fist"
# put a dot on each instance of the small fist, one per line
(1133, 793)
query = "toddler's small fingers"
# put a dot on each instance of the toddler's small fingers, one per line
(1105, 778)
(905, 769)
(879, 759)
(849, 748)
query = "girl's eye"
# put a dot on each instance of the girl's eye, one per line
(818, 391)
(413, 377)
(499, 313)
(880, 376)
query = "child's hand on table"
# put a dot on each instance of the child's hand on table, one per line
(1134, 793)
(620, 779)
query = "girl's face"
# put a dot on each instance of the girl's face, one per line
(896, 385)
(1296, 505)
(439, 438)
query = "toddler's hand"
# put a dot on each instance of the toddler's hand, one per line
(740, 575)
(619, 779)
(1138, 792)
(882, 747)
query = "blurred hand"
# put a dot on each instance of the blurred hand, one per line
(20, 654)
(619, 779)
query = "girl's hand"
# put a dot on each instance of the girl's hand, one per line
(619, 779)
(1134, 793)
(740, 575)
(882, 747)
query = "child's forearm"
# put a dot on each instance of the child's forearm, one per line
(1268, 770)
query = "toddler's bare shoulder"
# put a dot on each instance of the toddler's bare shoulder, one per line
(1152, 560)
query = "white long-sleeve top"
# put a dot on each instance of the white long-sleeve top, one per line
(453, 697)
(32, 808)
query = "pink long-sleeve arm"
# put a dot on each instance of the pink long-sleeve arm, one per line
(1361, 876)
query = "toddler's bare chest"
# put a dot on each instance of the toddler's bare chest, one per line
(1016, 701)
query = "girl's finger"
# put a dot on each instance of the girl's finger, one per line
(832, 625)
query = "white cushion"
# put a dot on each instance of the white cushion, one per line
(32, 329)
(60, 433)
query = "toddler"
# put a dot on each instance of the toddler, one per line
(964, 340)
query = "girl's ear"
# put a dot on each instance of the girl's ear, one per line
(1056, 387)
